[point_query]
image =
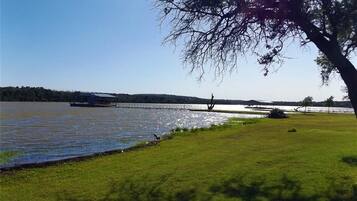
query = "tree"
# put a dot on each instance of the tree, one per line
(217, 32)
(329, 103)
(306, 102)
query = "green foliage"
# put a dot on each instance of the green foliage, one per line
(327, 68)
(37, 94)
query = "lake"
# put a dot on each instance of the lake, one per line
(40, 132)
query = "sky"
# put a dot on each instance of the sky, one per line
(115, 46)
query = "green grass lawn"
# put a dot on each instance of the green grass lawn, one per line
(6, 155)
(256, 160)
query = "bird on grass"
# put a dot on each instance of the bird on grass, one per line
(156, 137)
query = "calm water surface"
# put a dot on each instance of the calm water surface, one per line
(42, 132)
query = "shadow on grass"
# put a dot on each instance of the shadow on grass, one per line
(351, 160)
(236, 188)
(285, 190)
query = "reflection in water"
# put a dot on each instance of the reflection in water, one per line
(52, 131)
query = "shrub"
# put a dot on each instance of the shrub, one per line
(277, 114)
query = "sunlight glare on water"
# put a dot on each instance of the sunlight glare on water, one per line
(42, 132)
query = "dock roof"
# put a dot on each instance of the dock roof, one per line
(102, 95)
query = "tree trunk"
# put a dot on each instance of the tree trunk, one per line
(349, 75)
(347, 71)
(332, 51)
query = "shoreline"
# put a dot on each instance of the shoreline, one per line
(78, 158)
(180, 103)
(264, 113)
(137, 146)
(188, 161)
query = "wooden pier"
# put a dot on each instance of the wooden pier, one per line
(154, 106)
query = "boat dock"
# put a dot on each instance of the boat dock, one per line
(153, 106)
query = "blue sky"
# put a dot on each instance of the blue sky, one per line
(116, 46)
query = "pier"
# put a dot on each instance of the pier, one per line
(154, 106)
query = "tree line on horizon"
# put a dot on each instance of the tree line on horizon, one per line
(40, 94)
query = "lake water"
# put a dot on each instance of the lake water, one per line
(41, 132)
(241, 108)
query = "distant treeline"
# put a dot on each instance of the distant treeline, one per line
(36, 94)
(47, 95)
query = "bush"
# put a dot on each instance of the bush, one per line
(277, 114)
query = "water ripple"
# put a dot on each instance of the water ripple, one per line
(52, 131)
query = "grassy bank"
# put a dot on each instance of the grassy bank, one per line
(255, 160)
(6, 155)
